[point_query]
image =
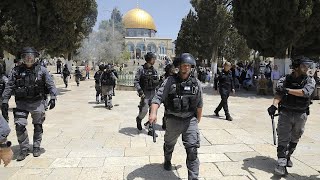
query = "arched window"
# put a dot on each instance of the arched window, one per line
(130, 47)
(152, 47)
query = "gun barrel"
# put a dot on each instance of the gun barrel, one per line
(154, 132)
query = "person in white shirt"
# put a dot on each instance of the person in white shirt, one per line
(275, 76)
(248, 81)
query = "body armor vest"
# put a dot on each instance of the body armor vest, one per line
(107, 79)
(2, 84)
(295, 103)
(182, 96)
(149, 79)
(28, 84)
(97, 76)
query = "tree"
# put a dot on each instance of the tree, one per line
(188, 38)
(106, 45)
(55, 26)
(213, 22)
(309, 43)
(272, 27)
(235, 47)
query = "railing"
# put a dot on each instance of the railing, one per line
(125, 79)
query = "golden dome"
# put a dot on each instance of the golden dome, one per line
(138, 18)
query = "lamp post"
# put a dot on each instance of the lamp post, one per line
(112, 17)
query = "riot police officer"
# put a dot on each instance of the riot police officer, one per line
(225, 85)
(77, 75)
(146, 80)
(97, 86)
(169, 71)
(106, 82)
(292, 97)
(65, 74)
(5, 150)
(30, 83)
(182, 98)
(3, 81)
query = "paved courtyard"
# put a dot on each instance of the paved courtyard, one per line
(83, 140)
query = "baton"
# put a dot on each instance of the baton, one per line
(274, 130)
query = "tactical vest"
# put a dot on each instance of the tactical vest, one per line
(97, 76)
(28, 86)
(149, 79)
(66, 72)
(182, 96)
(291, 102)
(2, 84)
(107, 79)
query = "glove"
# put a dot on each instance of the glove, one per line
(6, 155)
(272, 110)
(52, 103)
(4, 109)
(140, 93)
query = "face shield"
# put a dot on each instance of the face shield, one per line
(28, 58)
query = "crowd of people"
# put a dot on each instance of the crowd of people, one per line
(179, 89)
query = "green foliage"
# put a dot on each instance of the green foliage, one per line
(272, 26)
(213, 22)
(235, 47)
(56, 26)
(188, 38)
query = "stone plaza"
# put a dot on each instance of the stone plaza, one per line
(84, 140)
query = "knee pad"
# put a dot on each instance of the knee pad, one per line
(38, 128)
(192, 153)
(20, 128)
(19, 113)
(110, 97)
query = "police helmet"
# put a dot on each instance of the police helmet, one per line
(28, 55)
(101, 67)
(296, 61)
(108, 67)
(185, 58)
(149, 56)
(168, 67)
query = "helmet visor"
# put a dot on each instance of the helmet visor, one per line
(28, 58)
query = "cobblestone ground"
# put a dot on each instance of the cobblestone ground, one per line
(83, 140)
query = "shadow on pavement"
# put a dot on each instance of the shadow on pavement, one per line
(267, 165)
(62, 91)
(223, 118)
(16, 151)
(131, 131)
(151, 172)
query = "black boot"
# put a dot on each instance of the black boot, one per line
(36, 152)
(23, 154)
(229, 118)
(167, 165)
(281, 170)
(292, 146)
(139, 127)
(216, 113)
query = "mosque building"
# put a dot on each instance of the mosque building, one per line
(141, 36)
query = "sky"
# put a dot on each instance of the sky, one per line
(167, 14)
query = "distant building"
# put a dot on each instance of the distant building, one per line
(140, 36)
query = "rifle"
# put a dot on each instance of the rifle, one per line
(274, 129)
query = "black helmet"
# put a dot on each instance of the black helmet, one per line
(168, 67)
(296, 61)
(101, 67)
(30, 50)
(28, 54)
(185, 58)
(108, 67)
(149, 56)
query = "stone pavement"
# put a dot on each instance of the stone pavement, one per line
(83, 140)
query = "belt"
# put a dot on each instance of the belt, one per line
(178, 118)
